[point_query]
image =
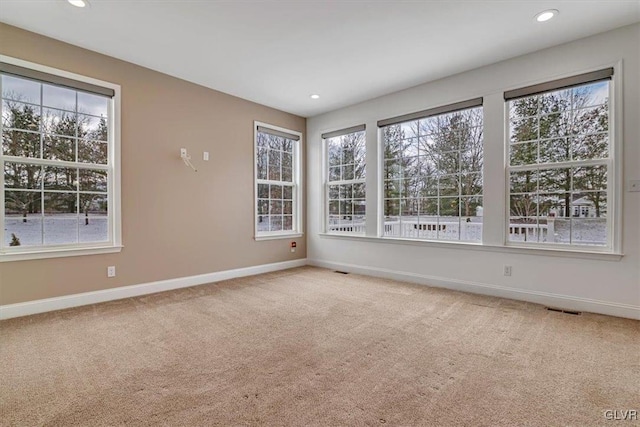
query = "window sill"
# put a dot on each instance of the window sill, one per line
(58, 253)
(346, 234)
(277, 236)
(512, 249)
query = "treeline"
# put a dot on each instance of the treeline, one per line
(561, 126)
(434, 165)
(52, 135)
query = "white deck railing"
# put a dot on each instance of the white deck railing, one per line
(347, 228)
(443, 230)
(531, 232)
(452, 230)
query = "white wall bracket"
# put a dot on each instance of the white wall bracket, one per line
(186, 158)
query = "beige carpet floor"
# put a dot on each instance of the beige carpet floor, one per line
(312, 347)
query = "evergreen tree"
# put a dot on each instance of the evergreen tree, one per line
(61, 129)
(454, 152)
(593, 143)
(525, 128)
(556, 127)
(14, 240)
(17, 120)
(393, 137)
(352, 152)
(93, 143)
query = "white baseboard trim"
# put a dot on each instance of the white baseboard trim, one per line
(58, 303)
(544, 298)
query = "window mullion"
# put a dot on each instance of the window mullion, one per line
(272, 182)
(558, 165)
(346, 182)
(57, 163)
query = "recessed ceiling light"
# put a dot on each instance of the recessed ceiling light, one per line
(546, 15)
(315, 96)
(79, 3)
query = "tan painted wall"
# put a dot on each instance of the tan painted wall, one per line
(175, 222)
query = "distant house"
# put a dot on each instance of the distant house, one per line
(580, 208)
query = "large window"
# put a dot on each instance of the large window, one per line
(560, 162)
(57, 160)
(345, 185)
(432, 173)
(277, 171)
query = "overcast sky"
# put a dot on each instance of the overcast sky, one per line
(53, 96)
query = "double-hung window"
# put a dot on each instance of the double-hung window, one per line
(345, 180)
(58, 160)
(277, 181)
(432, 173)
(560, 164)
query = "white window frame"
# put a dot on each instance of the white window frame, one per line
(470, 103)
(614, 170)
(114, 244)
(297, 185)
(326, 175)
(495, 231)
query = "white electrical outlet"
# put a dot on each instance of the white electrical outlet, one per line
(507, 270)
(183, 152)
(205, 156)
(111, 271)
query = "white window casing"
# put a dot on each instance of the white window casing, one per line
(55, 240)
(278, 195)
(570, 168)
(431, 177)
(344, 170)
(496, 182)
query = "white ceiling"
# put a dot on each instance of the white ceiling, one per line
(278, 52)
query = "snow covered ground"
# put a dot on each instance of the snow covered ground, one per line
(66, 229)
(582, 231)
(56, 229)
